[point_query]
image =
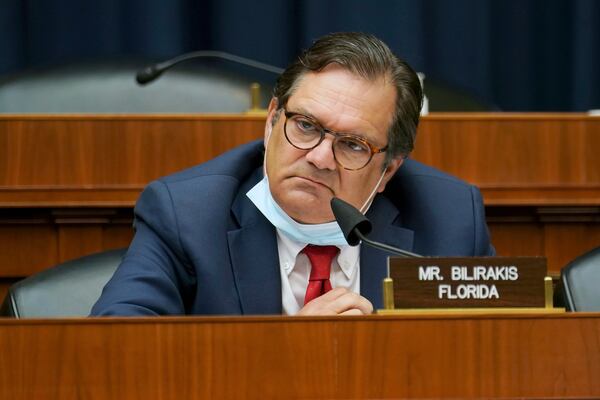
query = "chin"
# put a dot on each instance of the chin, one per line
(308, 220)
(307, 209)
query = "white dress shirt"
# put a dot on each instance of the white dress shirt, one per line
(294, 268)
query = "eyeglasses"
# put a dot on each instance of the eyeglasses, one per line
(349, 151)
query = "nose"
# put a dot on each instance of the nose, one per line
(322, 155)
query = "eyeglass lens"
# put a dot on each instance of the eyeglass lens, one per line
(350, 152)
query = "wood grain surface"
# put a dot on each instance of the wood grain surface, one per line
(373, 357)
(414, 287)
(65, 161)
(516, 159)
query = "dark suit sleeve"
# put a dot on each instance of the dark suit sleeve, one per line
(154, 277)
(482, 245)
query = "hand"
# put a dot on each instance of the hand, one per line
(339, 301)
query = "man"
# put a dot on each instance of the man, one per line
(252, 231)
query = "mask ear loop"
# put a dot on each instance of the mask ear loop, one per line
(369, 200)
(266, 150)
(267, 144)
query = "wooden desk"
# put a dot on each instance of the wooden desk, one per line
(541, 356)
(68, 183)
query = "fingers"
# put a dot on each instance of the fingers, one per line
(339, 301)
(344, 300)
(354, 311)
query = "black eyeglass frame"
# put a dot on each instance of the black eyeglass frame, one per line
(336, 136)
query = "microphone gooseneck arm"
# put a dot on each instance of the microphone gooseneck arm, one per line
(384, 246)
(152, 72)
(356, 226)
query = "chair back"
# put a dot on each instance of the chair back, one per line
(67, 290)
(581, 282)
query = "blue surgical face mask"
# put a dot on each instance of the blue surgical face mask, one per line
(325, 234)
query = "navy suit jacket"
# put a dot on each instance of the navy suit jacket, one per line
(202, 247)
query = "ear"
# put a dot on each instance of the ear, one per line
(270, 114)
(391, 169)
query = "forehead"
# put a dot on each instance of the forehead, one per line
(345, 102)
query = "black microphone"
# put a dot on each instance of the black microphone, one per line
(152, 72)
(355, 226)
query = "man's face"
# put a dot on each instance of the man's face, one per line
(303, 182)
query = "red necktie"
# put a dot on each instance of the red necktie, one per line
(320, 259)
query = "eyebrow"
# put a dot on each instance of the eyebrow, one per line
(305, 112)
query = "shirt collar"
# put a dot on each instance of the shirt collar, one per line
(347, 259)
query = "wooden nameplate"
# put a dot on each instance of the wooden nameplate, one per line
(460, 285)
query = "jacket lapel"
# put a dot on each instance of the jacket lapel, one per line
(373, 262)
(254, 256)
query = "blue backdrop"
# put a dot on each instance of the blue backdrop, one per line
(522, 55)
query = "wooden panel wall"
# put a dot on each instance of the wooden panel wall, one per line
(69, 161)
(68, 183)
(518, 159)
